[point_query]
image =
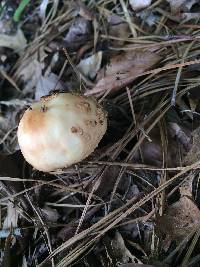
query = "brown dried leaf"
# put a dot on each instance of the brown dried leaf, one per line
(118, 28)
(123, 69)
(181, 218)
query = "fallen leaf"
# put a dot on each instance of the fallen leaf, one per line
(29, 72)
(119, 29)
(181, 5)
(90, 65)
(123, 69)
(139, 4)
(139, 60)
(181, 218)
(79, 33)
(16, 42)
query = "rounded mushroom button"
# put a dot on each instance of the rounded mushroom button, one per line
(53, 133)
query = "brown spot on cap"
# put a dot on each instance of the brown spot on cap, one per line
(74, 130)
(91, 123)
(77, 130)
(43, 108)
(84, 106)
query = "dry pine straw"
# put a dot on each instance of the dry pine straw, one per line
(113, 218)
(87, 238)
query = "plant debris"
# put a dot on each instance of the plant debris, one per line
(122, 69)
(134, 201)
(181, 219)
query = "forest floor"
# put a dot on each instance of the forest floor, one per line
(135, 200)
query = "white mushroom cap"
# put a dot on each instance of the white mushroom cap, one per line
(60, 130)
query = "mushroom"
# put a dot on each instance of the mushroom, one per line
(60, 130)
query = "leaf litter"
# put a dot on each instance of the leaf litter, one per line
(122, 69)
(135, 200)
